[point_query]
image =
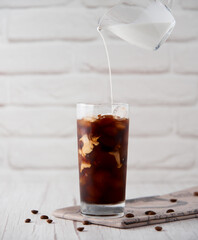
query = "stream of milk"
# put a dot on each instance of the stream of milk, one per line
(148, 31)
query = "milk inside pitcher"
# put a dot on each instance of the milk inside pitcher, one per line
(143, 23)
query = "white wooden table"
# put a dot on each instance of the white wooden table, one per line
(22, 191)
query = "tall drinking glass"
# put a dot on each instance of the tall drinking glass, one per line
(102, 153)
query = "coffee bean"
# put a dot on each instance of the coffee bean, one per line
(80, 229)
(173, 200)
(86, 222)
(196, 194)
(129, 215)
(44, 217)
(49, 220)
(34, 211)
(170, 211)
(158, 228)
(28, 220)
(150, 213)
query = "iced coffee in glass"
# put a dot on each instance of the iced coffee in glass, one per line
(102, 153)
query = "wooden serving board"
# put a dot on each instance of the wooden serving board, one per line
(185, 207)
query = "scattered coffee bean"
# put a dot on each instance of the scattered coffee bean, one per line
(150, 213)
(196, 194)
(129, 215)
(80, 229)
(49, 220)
(34, 211)
(169, 211)
(158, 228)
(86, 222)
(28, 220)
(173, 200)
(44, 217)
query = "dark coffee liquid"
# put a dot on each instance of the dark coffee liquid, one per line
(102, 153)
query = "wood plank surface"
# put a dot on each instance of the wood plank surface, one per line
(21, 192)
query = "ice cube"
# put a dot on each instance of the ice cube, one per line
(90, 119)
(120, 111)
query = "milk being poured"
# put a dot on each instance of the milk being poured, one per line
(109, 66)
(150, 29)
(144, 35)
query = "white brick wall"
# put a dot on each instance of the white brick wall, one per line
(34, 58)
(147, 122)
(100, 3)
(4, 91)
(58, 89)
(37, 122)
(42, 153)
(185, 20)
(190, 4)
(3, 153)
(183, 56)
(162, 154)
(130, 60)
(187, 122)
(51, 24)
(152, 90)
(51, 57)
(31, 3)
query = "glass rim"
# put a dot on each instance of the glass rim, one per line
(102, 104)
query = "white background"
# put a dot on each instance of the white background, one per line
(51, 57)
